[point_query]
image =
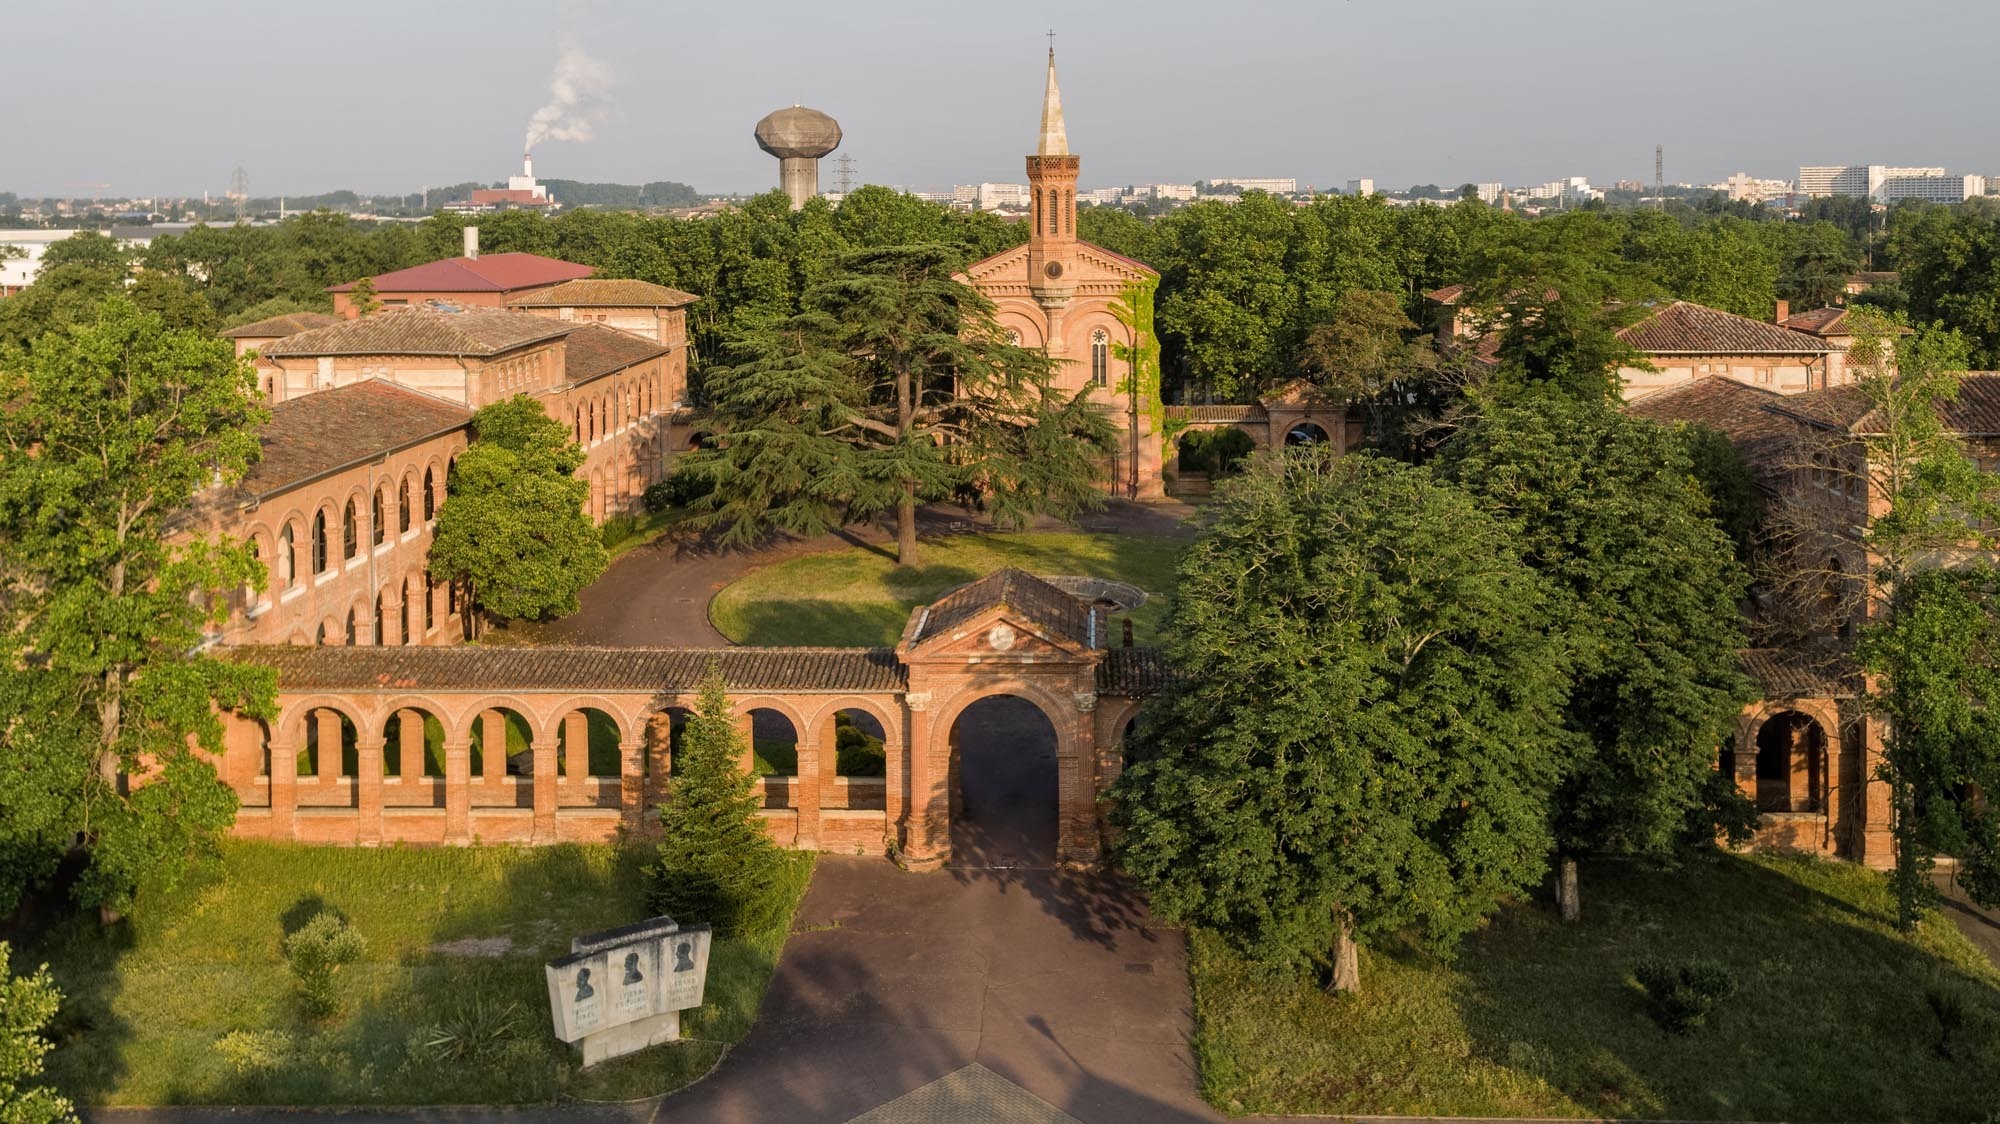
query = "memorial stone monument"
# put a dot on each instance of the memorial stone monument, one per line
(624, 989)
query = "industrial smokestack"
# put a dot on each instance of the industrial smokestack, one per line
(528, 164)
(471, 241)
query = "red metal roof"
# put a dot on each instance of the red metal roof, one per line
(488, 273)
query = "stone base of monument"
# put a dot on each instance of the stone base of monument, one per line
(630, 1037)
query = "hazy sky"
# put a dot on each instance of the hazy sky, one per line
(389, 95)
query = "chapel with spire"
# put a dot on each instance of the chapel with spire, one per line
(1060, 293)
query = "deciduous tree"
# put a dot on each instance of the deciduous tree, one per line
(1644, 588)
(1364, 727)
(513, 525)
(111, 431)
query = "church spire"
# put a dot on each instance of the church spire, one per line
(1055, 141)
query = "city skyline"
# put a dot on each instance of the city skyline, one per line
(926, 103)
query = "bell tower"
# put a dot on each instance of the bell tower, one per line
(1052, 209)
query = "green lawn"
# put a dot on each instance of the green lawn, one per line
(1829, 1020)
(190, 1002)
(859, 597)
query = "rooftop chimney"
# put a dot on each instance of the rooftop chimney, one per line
(1784, 312)
(471, 241)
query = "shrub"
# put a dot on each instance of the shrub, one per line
(1218, 451)
(1680, 994)
(677, 490)
(857, 753)
(316, 953)
(480, 1032)
(27, 1003)
(249, 1052)
(617, 529)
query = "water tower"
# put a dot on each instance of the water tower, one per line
(798, 137)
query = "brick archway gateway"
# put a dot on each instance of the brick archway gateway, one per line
(1009, 633)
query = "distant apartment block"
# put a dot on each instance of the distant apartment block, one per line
(1101, 196)
(1003, 196)
(1887, 184)
(1490, 192)
(1743, 187)
(1179, 192)
(1273, 185)
(1361, 187)
(1573, 189)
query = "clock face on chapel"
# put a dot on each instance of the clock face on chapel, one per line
(1053, 269)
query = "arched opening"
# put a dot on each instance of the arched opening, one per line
(502, 746)
(319, 558)
(430, 495)
(381, 622)
(403, 507)
(1100, 358)
(329, 754)
(856, 759)
(287, 560)
(413, 758)
(378, 524)
(774, 753)
(352, 632)
(1306, 433)
(699, 439)
(664, 731)
(587, 744)
(350, 532)
(1004, 786)
(1791, 764)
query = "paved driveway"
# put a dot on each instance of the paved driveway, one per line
(1057, 981)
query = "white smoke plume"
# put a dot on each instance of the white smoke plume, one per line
(579, 96)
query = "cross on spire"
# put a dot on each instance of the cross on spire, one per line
(1052, 42)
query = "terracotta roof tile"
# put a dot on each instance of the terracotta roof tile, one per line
(424, 330)
(1734, 409)
(1785, 673)
(1132, 671)
(1974, 413)
(291, 323)
(593, 350)
(1217, 414)
(605, 292)
(1447, 295)
(318, 433)
(1818, 321)
(488, 273)
(1041, 604)
(670, 670)
(1685, 328)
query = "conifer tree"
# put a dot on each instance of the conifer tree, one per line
(716, 862)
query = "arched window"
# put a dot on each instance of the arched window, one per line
(378, 527)
(579, 425)
(350, 628)
(287, 559)
(380, 621)
(319, 560)
(1069, 212)
(430, 497)
(430, 601)
(350, 534)
(403, 611)
(319, 636)
(250, 597)
(1100, 357)
(403, 507)
(1054, 213)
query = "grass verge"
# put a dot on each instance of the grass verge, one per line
(1829, 1021)
(190, 1001)
(859, 597)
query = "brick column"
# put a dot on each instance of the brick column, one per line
(659, 756)
(920, 850)
(805, 785)
(746, 726)
(410, 734)
(1076, 792)
(284, 787)
(545, 789)
(1878, 841)
(632, 781)
(368, 788)
(330, 745)
(576, 747)
(457, 790)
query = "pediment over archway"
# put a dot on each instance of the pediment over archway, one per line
(1008, 615)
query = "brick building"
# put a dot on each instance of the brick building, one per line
(1062, 294)
(1687, 342)
(471, 281)
(260, 334)
(641, 308)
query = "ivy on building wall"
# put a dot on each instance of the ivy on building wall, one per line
(1134, 309)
